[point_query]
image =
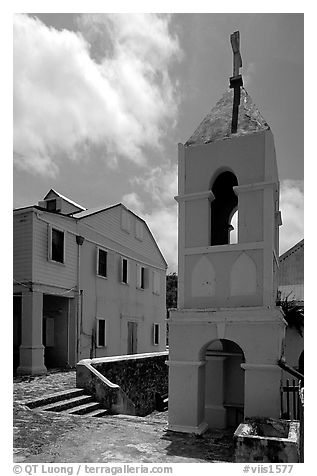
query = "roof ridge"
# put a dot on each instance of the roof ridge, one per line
(69, 200)
(87, 213)
(286, 253)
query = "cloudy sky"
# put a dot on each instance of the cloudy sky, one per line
(101, 101)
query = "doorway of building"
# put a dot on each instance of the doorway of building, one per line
(132, 337)
(224, 384)
(55, 331)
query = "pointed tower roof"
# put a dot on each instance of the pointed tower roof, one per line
(217, 124)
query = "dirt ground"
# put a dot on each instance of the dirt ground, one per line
(48, 437)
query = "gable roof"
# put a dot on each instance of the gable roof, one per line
(292, 250)
(85, 213)
(57, 194)
(93, 211)
(217, 124)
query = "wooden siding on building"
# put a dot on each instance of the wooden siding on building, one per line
(292, 266)
(108, 224)
(68, 208)
(22, 246)
(46, 271)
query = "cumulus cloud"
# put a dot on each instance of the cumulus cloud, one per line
(249, 74)
(106, 84)
(160, 183)
(292, 208)
(163, 224)
(133, 201)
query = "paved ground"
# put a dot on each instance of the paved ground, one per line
(47, 437)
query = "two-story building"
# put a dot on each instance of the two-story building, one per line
(87, 283)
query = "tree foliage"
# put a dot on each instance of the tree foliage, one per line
(293, 314)
(171, 290)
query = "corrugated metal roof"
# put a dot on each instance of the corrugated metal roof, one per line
(292, 250)
(217, 124)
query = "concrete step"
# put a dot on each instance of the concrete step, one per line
(98, 413)
(54, 397)
(86, 408)
(74, 401)
(66, 404)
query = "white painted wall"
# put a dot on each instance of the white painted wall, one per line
(117, 302)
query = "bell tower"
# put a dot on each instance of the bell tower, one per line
(227, 328)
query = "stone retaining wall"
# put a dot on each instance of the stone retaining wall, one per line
(139, 377)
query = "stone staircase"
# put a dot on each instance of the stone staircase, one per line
(73, 402)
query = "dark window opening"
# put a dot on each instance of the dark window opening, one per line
(156, 334)
(101, 333)
(125, 271)
(142, 278)
(57, 245)
(132, 337)
(102, 263)
(51, 205)
(222, 208)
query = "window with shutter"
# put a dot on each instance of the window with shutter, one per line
(141, 277)
(156, 334)
(102, 261)
(139, 230)
(156, 283)
(56, 245)
(124, 271)
(101, 333)
(125, 220)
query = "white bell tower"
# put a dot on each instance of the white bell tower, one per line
(227, 334)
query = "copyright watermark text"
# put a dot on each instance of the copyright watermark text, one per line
(32, 469)
(270, 468)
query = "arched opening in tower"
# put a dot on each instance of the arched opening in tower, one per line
(224, 384)
(223, 207)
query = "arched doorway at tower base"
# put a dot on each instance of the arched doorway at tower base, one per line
(224, 384)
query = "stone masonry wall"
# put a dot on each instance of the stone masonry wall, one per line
(272, 442)
(140, 376)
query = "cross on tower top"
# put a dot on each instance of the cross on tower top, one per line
(237, 60)
(236, 80)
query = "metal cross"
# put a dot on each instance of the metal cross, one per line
(236, 80)
(237, 60)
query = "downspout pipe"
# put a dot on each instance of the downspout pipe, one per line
(79, 240)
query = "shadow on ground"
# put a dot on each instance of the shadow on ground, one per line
(212, 446)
